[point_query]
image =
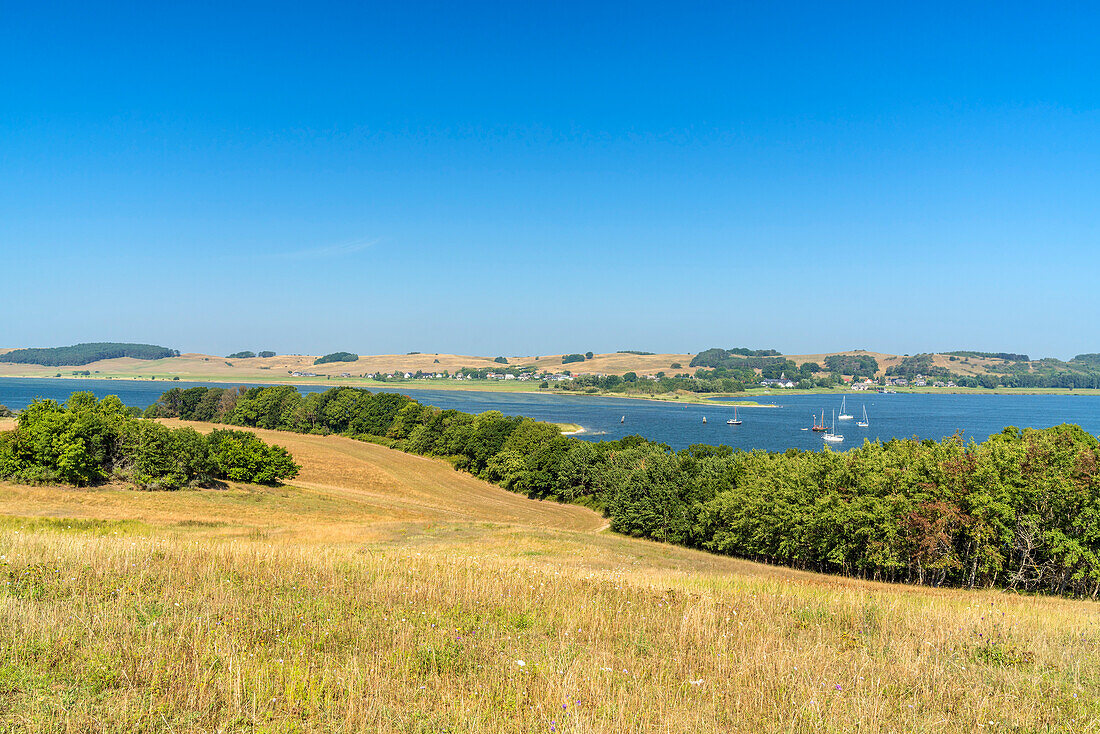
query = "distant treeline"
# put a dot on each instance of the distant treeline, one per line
(1089, 360)
(1007, 356)
(248, 355)
(337, 357)
(722, 359)
(633, 351)
(1021, 510)
(79, 354)
(858, 365)
(630, 383)
(87, 441)
(737, 357)
(1046, 373)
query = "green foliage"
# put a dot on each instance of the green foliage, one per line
(1021, 510)
(266, 354)
(242, 457)
(86, 441)
(1007, 356)
(1091, 360)
(741, 362)
(240, 355)
(5, 411)
(633, 351)
(716, 357)
(337, 357)
(568, 358)
(498, 360)
(588, 355)
(79, 354)
(851, 364)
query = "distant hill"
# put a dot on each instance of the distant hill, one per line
(966, 368)
(81, 354)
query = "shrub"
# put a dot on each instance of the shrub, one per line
(86, 441)
(242, 457)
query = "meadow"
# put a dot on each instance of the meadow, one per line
(380, 591)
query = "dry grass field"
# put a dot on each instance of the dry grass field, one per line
(257, 369)
(194, 366)
(381, 592)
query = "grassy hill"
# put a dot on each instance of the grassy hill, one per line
(387, 592)
(204, 367)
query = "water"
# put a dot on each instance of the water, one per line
(679, 425)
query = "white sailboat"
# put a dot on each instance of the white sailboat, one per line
(832, 436)
(844, 416)
(863, 423)
(734, 421)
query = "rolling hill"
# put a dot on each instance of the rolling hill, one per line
(386, 592)
(197, 366)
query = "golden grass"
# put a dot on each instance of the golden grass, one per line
(200, 367)
(386, 592)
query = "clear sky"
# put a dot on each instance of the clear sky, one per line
(532, 178)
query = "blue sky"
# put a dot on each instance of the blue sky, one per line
(522, 178)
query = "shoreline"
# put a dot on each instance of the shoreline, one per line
(740, 399)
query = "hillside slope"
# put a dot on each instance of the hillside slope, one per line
(383, 592)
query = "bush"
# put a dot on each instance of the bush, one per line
(86, 441)
(242, 457)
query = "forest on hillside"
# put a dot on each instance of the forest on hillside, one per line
(80, 354)
(1020, 510)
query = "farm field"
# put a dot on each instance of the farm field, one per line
(380, 591)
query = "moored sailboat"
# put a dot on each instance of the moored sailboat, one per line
(844, 416)
(734, 421)
(863, 423)
(832, 436)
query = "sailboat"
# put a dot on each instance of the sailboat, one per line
(832, 436)
(844, 416)
(623, 419)
(704, 419)
(819, 427)
(863, 423)
(734, 421)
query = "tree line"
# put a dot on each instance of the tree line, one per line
(79, 354)
(337, 357)
(87, 441)
(249, 354)
(1020, 510)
